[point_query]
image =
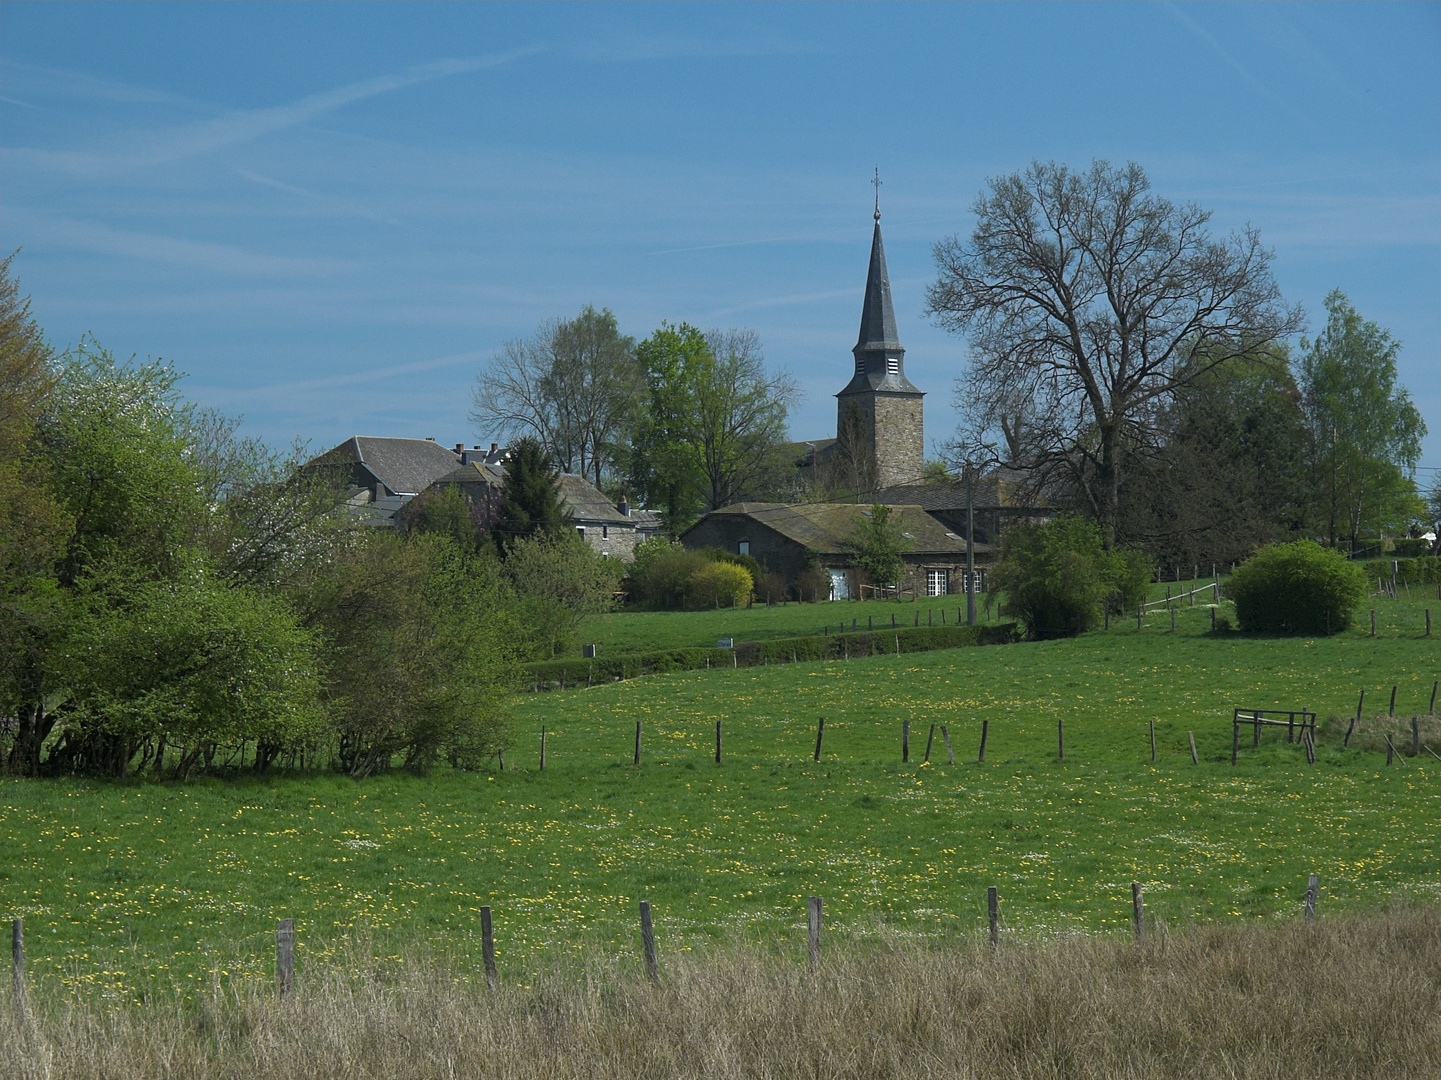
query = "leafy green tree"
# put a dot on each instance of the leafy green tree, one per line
(877, 545)
(421, 646)
(1365, 430)
(1231, 471)
(713, 419)
(188, 661)
(560, 579)
(443, 511)
(1297, 588)
(34, 527)
(1059, 577)
(530, 498)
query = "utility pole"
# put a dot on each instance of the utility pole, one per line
(970, 552)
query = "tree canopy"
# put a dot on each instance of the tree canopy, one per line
(1088, 302)
(1365, 430)
(714, 416)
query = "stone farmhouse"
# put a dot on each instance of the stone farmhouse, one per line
(382, 475)
(789, 538)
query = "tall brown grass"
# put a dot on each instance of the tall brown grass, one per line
(1354, 996)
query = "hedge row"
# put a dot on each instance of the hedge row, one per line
(1425, 569)
(559, 674)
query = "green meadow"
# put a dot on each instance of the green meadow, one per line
(143, 885)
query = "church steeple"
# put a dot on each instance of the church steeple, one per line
(879, 416)
(880, 359)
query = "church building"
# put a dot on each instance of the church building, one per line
(879, 414)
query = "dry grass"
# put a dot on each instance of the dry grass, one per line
(1353, 996)
(1371, 732)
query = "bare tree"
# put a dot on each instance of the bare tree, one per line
(575, 385)
(1088, 301)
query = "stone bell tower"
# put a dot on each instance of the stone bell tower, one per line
(879, 415)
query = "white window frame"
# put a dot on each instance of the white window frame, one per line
(937, 576)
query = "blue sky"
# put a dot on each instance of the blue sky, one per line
(331, 215)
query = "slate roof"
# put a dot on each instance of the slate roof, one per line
(989, 492)
(587, 503)
(880, 360)
(404, 466)
(823, 527)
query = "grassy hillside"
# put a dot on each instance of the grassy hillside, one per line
(124, 884)
(641, 631)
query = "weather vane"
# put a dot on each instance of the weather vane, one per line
(877, 183)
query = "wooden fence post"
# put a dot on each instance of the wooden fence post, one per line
(487, 946)
(1138, 910)
(1213, 619)
(985, 730)
(1194, 759)
(1432, 709)
(1256, 728)
(993, 912)
(898, 642)
(820, 732)
(813, 931)
(930, 738)
(1153, 742)
(1428, 622)
(637, 743)
(647, 941)
(1060, 740)
(1235, 738)
(1390, 749)
(285, 957)
(717, 742)
(1351, 727)
(1415, 735)
(17, 965)
(1373, 622)
(946, 738)
(1173, 617)
(1140, 612)
(905, 741)
(1313, 886)
(1391, 709)
(542, 748)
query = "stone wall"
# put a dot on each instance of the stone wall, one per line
(616, 541)
(894, 426)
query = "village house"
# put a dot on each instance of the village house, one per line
(789, 538)
(382, 475)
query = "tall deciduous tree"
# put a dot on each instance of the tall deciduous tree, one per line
(713, 419)
(574, 385)
(1365, 430)
(1088, 301)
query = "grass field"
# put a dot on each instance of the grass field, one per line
(643, 631)
(143, 885)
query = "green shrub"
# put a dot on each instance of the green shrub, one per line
(660, 576)
(1058, 577)
(720, 584)
(1298, 588)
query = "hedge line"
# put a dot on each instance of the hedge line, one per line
(1426, 568)
(558, 674)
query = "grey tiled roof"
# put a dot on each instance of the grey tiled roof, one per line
(823, 527)
(405, 466)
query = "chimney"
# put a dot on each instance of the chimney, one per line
(460, 448)
(430, 438)
(494, 449)
(624, 506)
